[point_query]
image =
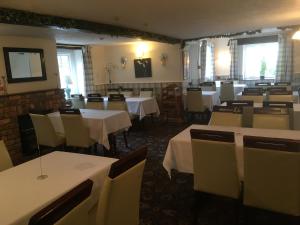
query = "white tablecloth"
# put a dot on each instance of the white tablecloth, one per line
(100, 122)
(140, 106)
(295, 96)
(210, 98)
(179, 154)
(22, 195)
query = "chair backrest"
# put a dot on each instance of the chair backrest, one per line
(226, 116)
(214, 161)
(272, 174)
(208, 86)
(146, 92)
(120, 195)
(77, 101)
(226, 91)
(111, 91)
(280, 96)
(285, 84)
(194, 101)
(263, 84)
(5, 160)
(276, 89)
(256, 97)
(95, 103)
(271, 118)
(94, 95)
(258, 90)
(117, 102)
(69, 209)
(278, 104)
(127, 92)
(44, 130)
(240, 103)
(77, 134)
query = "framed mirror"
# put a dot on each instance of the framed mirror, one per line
(24, 64)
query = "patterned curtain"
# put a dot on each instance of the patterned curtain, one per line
(202, 60)
(212, 60)
(88, 73)
(284, 68)
(234, 72)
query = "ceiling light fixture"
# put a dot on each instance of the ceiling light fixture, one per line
(296, 35)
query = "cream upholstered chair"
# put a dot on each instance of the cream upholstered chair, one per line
(5, 160)
(70, 209)
(127, 92)
(146, 92)
(120, 195)
(208, 86)
(94, 95)
(263, 84)
(252, 96)
(226, 91)
(95, 103)
(271, 118)
(76, 132)
(284, 84)
(254, 89)
(214, 162)
(117, 102)
(194, 101)
(77, 101)
(45, 132)
(112, 91)
(272, 174)
(240, 103)
(281, 96)
(277, 89)
(226, 116)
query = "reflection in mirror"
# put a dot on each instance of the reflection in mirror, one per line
(24, 64)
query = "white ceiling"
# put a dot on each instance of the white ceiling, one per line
(176, 18)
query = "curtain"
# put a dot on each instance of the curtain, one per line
(234, 71)
(210, 70)
(284, 70)
(202, 59)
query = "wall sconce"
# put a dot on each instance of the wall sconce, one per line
(141, 50)
(163, 59)
(123, 62)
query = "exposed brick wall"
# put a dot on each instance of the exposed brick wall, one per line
(11, 106)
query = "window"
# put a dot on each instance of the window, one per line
(71, 72)
(209, 67)
(259, 61)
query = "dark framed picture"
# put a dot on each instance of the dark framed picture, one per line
(142, 68)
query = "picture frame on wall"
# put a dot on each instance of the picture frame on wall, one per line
(143, 68)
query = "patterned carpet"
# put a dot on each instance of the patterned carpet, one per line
(166, 201)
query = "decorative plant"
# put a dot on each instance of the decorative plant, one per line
(68, 81)
(263, 68)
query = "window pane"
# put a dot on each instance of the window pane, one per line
(260, 60)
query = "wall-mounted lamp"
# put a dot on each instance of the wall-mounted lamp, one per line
(296, 35)
(163, 59)
(141, 50)
(123, 62)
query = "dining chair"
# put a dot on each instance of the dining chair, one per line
(277, 89)
(127, 92)
(240, 103)
(70, 209)
(194, 103)
(119, 201)
(226, 116)
(263, 84)
(5, 160)
(76, 132)
(45, 132)
(146, 92)
(256, 97)
(215, 164)
(286, 84)
(111, 91)
(272, 118)
(226, 91)
(281, 96)
(95, 103)
(77, 101)
(94, 95)
(253, 89)
(208, 86)
(272, 175)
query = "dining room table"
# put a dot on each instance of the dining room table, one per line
(179, 154)
(101, 123)
(140, 106)
(22, 194)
